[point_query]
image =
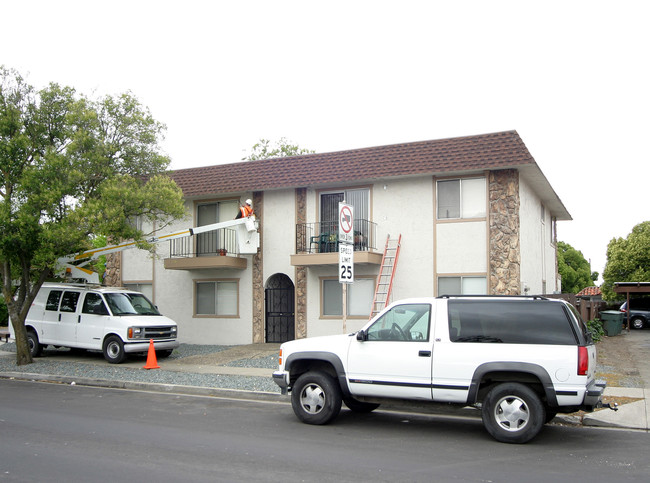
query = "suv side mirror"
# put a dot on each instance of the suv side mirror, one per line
(361, 335)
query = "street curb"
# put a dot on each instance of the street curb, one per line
(148, 386)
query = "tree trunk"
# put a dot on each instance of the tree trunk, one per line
(23, 356)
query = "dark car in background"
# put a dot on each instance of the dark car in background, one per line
(639, 313)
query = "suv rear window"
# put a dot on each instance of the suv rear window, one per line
(510, 322)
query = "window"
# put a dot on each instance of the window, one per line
(515, 322)
(329, 209)
(211, 242)
(359, 301)
(218, 298)
(93, 304)
(461, 198)
(53, 300)
(402, 322)
(462, 286)
(142, 287)
(553, 230)
(69, 301)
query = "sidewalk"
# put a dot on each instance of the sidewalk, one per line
(632, 415)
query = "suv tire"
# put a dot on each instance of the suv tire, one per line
(359, 406)
(513, 413)
(316, 398)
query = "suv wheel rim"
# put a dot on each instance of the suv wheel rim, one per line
(511, 413)
(312, 398)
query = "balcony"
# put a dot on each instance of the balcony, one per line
(317, 243)
(214, 249)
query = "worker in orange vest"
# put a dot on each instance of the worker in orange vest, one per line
(245, 211)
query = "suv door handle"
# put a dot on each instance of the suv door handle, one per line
(424, 353)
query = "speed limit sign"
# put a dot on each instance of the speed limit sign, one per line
(346, 263)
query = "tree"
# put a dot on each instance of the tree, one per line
(628, 260)
(71, 168)
(282, 148)
(574, 269)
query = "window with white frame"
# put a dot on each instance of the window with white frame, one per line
(461, 198)
(359, 300)
(216, 298)
(462, 285)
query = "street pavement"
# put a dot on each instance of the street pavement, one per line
(634, 413)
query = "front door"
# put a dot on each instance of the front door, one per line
(280, 315)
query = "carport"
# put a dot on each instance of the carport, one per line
(637, 288)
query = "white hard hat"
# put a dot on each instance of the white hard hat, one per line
(249, 202)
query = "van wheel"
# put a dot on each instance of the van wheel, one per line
(114, 350)
(35, 348)
(316, 398)
(513, 413)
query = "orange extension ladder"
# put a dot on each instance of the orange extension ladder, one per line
(386, 275)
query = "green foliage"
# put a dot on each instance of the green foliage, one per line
(72, 169)
(595, 329)
(574, 269)
(628, 260)
(282, 148)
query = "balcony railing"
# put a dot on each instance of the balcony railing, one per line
(322, 237)
(209, 244)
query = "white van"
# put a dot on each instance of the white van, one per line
(114, 320)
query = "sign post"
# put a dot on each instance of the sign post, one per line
(346, 255)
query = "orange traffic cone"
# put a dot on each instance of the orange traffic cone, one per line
(152, 362)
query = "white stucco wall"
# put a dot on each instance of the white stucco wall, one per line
(537, 251)
(461, 247)
(393, 211)
(279, 233)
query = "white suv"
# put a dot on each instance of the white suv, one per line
(521, 360)
(113, 320)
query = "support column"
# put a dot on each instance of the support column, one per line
(504, 245)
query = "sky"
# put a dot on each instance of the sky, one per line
(571, 77)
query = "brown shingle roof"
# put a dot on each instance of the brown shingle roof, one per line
(470, 153)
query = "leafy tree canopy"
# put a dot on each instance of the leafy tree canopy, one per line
(264, 149)
(574, 269)
(628, 260)
(71, 169)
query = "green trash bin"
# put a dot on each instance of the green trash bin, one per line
(612, 322)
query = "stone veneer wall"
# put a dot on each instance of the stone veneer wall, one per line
(113, 273)
(258, 274)
(505, 251)
(300, 316)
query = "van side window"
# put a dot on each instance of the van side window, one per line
(69, 301)
(53, 300)
(93, 304)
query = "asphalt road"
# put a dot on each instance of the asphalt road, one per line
(54, 432)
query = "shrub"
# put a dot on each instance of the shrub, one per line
(595, 329)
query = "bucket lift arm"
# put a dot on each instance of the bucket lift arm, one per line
(248, 240)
